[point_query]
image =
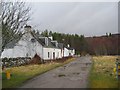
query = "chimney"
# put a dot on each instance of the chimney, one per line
(56, 44)
(27, 28)
(68, 45)
(46, 41)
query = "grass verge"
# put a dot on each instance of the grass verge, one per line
(101, 74)
(24, 73)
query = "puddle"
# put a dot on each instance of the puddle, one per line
(83, 68)
(61, 75)
(76, 73)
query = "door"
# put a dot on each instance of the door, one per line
(53, 55)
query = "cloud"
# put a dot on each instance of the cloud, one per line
(88, 18)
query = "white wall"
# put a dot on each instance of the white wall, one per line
(7, 53)
(32, 48)
(39, 49)
(73, 51)
(51, 50)
(17, 51)
(66, 52)
(58, 53)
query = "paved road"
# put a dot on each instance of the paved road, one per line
(72, 75)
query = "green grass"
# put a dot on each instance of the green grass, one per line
(101, 74)
(23, 73)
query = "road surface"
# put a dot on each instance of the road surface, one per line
(72, 75)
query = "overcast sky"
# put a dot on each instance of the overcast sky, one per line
(86, 18)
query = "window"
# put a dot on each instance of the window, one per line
(53, 55)
(69, 54)
(26, 54)
(32, 40)
(58, 54)
(48, 54)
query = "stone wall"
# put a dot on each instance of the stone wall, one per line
(12, 62)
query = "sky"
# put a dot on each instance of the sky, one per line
(83, 18)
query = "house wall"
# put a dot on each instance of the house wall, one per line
(58, 53)
(7, 53)
(31, 48)
(71, 52)
(17, 51)
(62, 53)
(51, 50)
(39, 49)
(66, 52)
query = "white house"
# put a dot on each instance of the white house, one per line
(31, 44)
(66, 52)
(69, 51)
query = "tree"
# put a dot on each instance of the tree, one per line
(110, 34)
(45, 33)
(14, 16)
(50, 33)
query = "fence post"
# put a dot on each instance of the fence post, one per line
(118, 71)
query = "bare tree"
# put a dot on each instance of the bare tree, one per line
(14, 16)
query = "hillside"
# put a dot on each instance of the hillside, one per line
(104, 45)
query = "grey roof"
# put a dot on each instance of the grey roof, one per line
(12, 43)
(70, 48)
(37, 38)
(41, 40)
(60, 45)
(54, 43)
(50, 43)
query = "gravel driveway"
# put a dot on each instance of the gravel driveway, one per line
(72, 75)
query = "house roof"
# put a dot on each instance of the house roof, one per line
(41, 40)
(55, 43)
(50, 43)
(69, 48)
(60, 45)
(12, 43)
(37, 38)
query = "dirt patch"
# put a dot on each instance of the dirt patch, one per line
(35, 60)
